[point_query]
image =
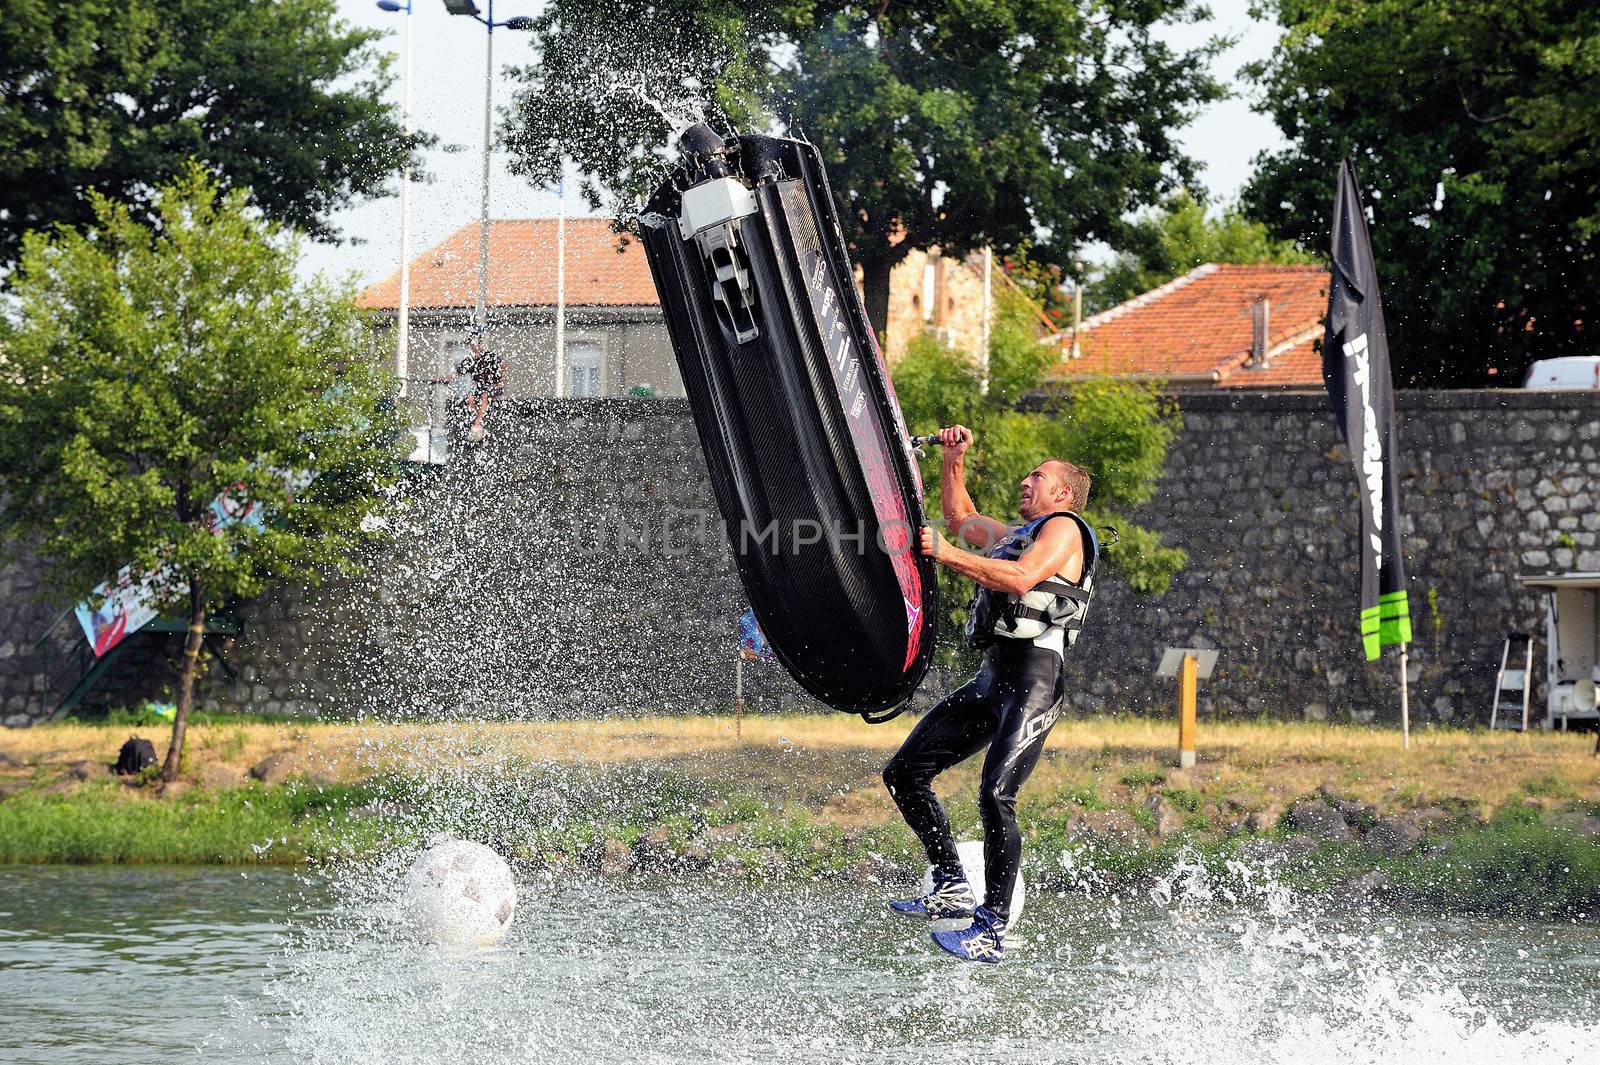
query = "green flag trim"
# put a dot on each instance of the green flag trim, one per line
(1386, 624)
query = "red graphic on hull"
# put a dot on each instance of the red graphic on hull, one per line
(895, 528)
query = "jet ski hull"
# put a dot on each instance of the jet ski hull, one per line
(805, 444)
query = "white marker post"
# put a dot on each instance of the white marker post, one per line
(738, 694)
(1405, 703)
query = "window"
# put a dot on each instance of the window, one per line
(583, 369)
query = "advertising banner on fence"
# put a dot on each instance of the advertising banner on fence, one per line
(128, 606)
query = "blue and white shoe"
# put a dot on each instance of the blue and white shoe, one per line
(984, 940)
(950, 899)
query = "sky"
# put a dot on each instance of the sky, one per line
(447, 100)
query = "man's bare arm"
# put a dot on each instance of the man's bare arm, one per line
(960, 515)
(1058, 547)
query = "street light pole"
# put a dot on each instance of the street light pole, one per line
(1077, 310)
(518, 22)
(402, 350)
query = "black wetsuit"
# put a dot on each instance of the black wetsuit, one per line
(486, 371)
(1010, 706)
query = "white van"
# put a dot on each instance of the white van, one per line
(1572, 372)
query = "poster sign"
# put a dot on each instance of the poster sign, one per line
(127, 606)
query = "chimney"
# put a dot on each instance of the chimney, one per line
(1261, 320)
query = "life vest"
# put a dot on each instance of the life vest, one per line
(1049, 614)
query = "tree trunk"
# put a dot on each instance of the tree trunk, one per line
(875, 292)
(191, 661)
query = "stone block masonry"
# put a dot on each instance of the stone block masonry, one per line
(535, 578)
(1260, 491)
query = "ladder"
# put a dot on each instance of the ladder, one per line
(1513, 685)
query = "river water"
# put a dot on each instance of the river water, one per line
(159, 965)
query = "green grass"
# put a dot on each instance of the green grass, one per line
(1185, 799)
(1513, 865)
(1519, 862)
(239, 826)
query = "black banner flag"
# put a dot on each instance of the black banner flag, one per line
(1355, 365)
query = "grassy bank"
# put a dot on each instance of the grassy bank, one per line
(1495, 822)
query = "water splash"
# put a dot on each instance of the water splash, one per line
(1234, 964)
(1206, 965)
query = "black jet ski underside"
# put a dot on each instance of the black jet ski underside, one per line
(803, 438)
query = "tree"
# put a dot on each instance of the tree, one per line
(1118, 430)
(116, 96)
(1174, 240)
(152, 368)
(951, 124)
(1475, 130)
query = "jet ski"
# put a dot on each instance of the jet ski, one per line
(807, 450)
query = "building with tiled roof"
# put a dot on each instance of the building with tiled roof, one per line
(604, 268)
(616, 338)
(1221, 325)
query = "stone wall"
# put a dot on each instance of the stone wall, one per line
(1260, 491)
(514, 586)
(518, 583)
(25, 615)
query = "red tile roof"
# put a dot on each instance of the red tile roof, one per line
(1202, 323)
(522, 268)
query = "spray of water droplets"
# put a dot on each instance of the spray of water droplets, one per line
(1203, 966)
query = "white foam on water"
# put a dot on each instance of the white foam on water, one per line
(1202, 967)
(1247, 969)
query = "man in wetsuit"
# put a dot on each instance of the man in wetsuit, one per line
(488, 376)
(1034, 584)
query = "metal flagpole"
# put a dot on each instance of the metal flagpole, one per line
(402, 368)
(402, 365)
(738, 695)
(482, 310)
(561, 284)
(988, 298)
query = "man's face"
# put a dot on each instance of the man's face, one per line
(1043, 492)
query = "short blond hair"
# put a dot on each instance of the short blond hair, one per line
(1073, 477)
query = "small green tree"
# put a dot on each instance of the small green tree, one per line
(1119, 431)
(151, 368)
(1174, 240)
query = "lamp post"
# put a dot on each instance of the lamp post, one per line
(519, 22)
(402, 365)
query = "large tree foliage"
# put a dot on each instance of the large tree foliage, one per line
(116, 96)
(1475, 129)
(1119, 431)
(996, 123)
(151, 369)
(1182, 235)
